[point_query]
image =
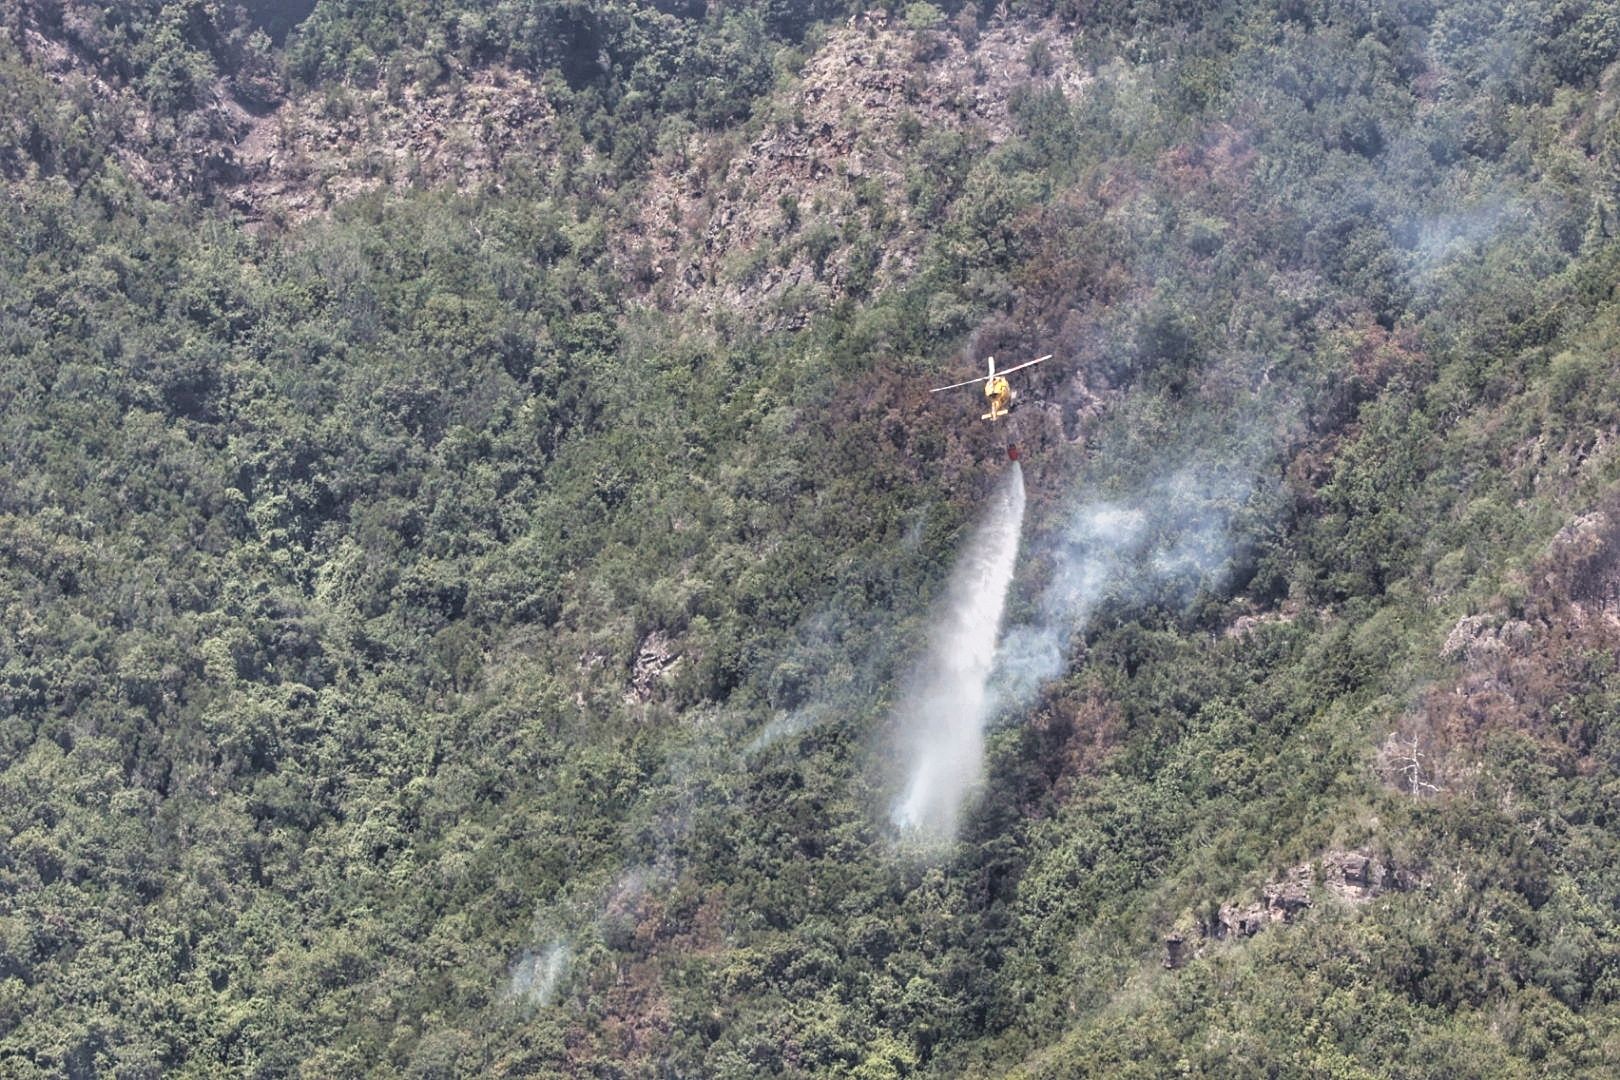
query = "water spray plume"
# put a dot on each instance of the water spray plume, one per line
(941, 717)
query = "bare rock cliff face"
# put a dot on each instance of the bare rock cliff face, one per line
(273, 157)
(760, 228)
(74, 75)
(320, 149)
(1348, 877)
(851, 165)
(1525, 664)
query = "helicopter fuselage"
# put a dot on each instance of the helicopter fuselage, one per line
(1000, 397)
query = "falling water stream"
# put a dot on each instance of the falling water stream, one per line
(942, 713)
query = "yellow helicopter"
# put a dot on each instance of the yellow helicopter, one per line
(996, 391)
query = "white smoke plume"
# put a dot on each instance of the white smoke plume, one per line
(786, 725)
(1165, 542)
(535, 975)
(941, 714)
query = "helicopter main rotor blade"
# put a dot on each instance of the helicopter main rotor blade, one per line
(993, 374)
(1025, 364)
(954, 386)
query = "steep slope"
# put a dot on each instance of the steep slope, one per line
(864, 151)
(455, 613)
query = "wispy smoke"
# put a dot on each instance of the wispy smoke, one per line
(1445, 236)
(942, 713)
(1165, 543)
(785, 725)
(535, 975)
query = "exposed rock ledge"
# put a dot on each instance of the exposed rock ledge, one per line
(1353, 877)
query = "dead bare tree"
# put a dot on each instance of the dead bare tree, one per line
(1405, 758)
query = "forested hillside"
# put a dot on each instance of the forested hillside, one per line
(471, 505)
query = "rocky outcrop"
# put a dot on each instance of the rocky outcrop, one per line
(654, 660)
(760, 228)
(856, 137)
(1351, 877)
(270, 156)
(323, 148)
(68, 70)
(1521, 659)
